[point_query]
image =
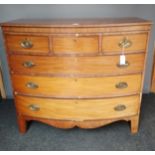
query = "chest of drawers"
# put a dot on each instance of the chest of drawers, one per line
(67, 73)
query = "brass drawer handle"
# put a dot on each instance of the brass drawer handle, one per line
(121, 85)
(120, 107)
(34, 107)
(28, 64)
(26, 44)
(32, 85)
(123, 65)
(126, 43)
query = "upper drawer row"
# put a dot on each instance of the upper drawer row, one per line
(76, 44)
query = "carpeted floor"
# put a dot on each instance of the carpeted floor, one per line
(115, 136)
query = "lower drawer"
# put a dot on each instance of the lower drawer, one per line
(78, 109)
(67, 87)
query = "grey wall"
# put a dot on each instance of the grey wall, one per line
(10, 12)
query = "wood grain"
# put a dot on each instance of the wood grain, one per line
(93, 22)
(153, 72)
(47, 31)
(76, 66)
(76, 70)
(40, 44)
(134, 124)
(75, 44)
(77, 87)
(89, 124)
(78, 110)
(110, 43)
(2, 88)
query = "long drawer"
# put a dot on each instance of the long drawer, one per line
(77, 87)
(78, 109)
(104, 65)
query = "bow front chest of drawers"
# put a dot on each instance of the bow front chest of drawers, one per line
(68, 73)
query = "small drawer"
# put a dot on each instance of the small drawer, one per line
(131, 43)
(78, 110)
(27, 44)
(75, 44)
(84, 66)
(67, 87)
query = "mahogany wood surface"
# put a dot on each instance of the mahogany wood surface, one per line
(75, 79)
(110, 43)
(63, 124)
(96, 22)
(40, 44)
(76, 109)
(85, 30)
(65, 87)
(153, 73)
(76, 66)
(75, 44)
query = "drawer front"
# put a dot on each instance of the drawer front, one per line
(78, 110)
(107, 65)
(131, 42)
(75, 45)
(27, 44)
(77, 87)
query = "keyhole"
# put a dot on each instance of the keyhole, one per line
(74, 40)
(75, 80)
(76, 102)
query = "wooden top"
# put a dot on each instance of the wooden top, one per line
(97, 22)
